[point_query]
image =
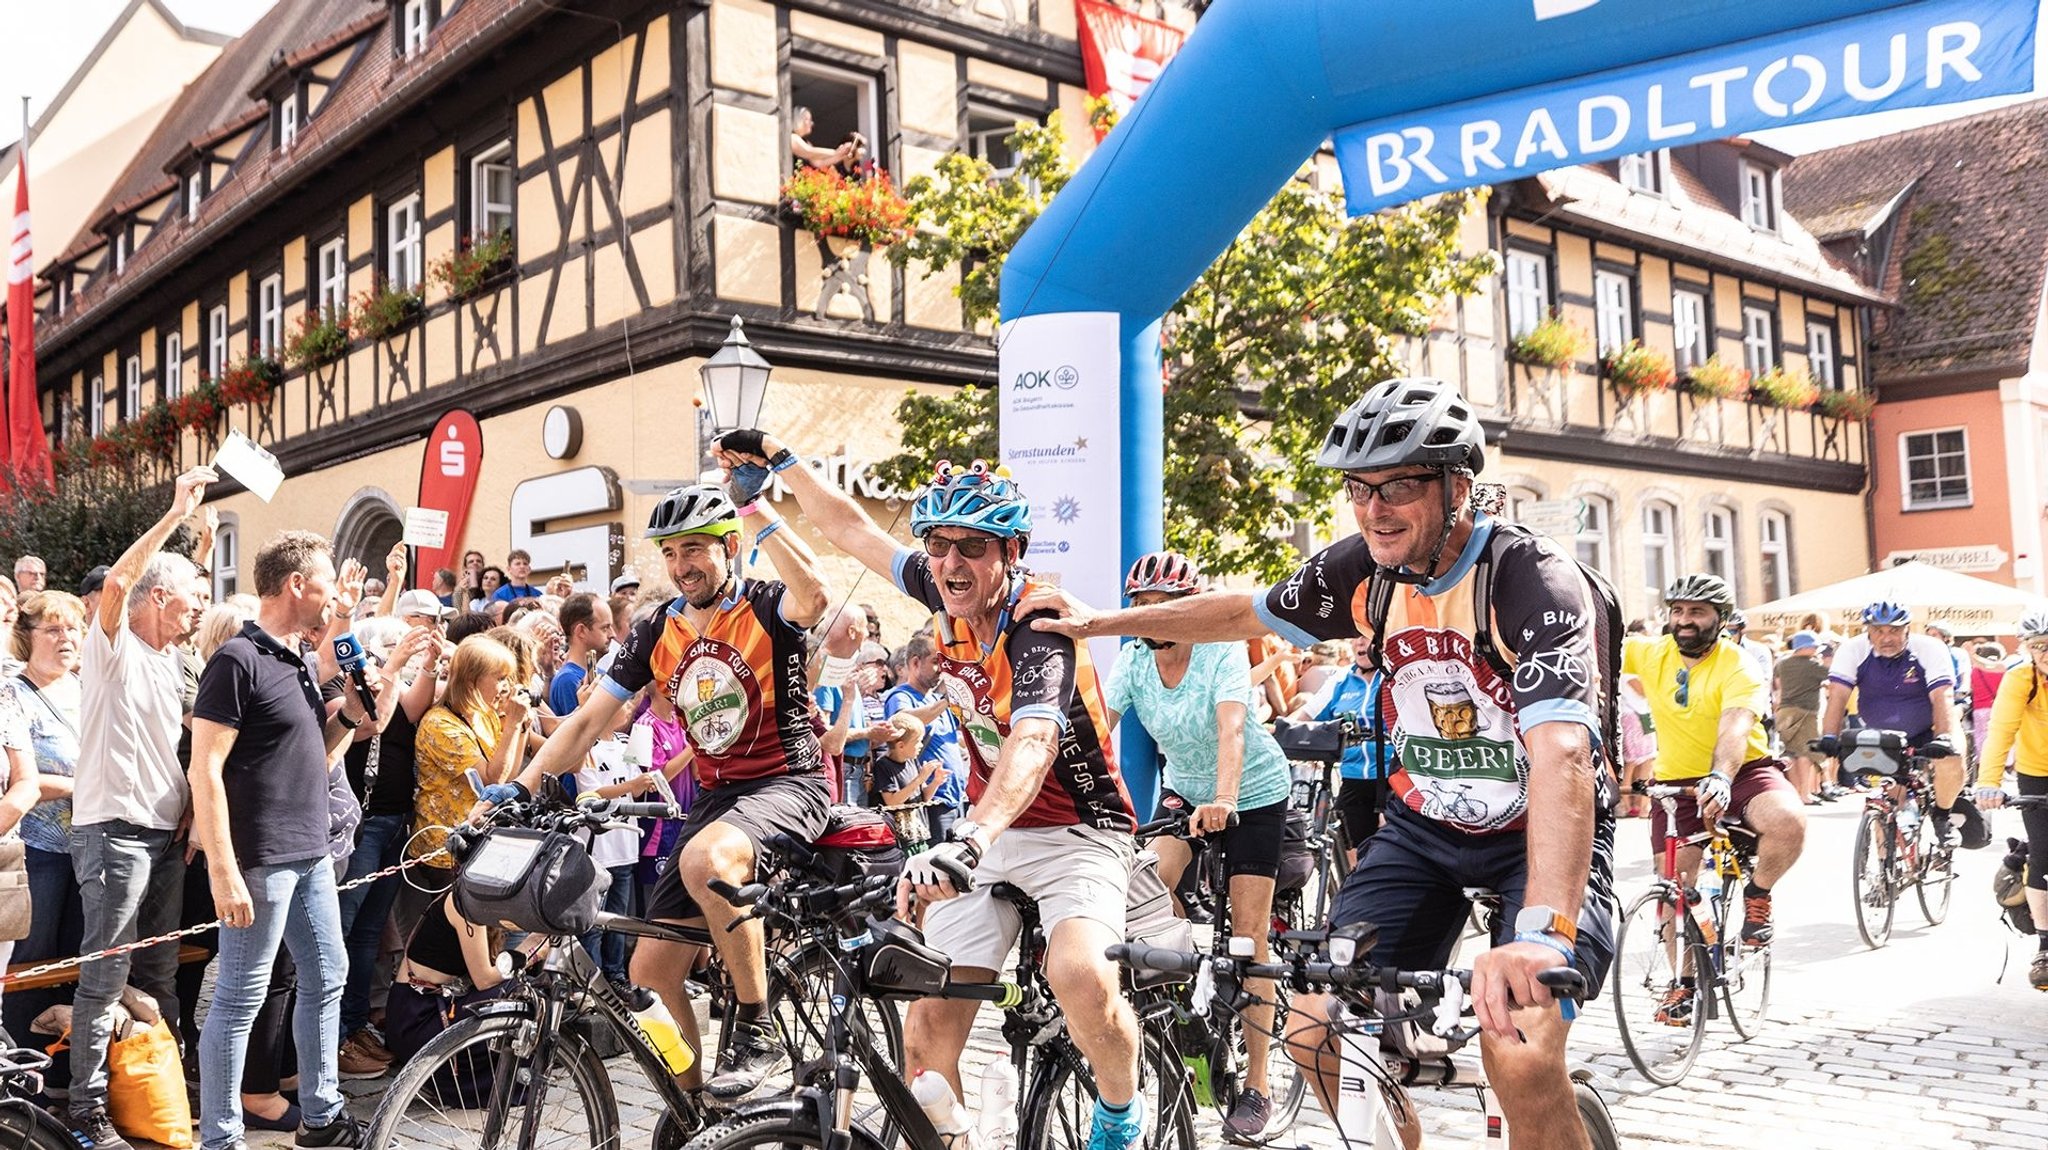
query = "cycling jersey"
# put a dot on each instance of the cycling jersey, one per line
(1358, 694)
(1892, 693)
(1687, 732)
(1458, 727)
(738, 685)
(1025, 674)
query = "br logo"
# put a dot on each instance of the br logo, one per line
(1552, 9)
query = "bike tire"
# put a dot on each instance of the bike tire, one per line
(26, 1126)
(803, 985)
(1937, 876)
(1060, 1104)
(414, 1111)
(1871, 879)
(1744, 976)
(1649, 956)
(1600, 1129)
(794, 1125)
(1287, 1081)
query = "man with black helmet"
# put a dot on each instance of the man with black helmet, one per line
(1499, 784)
(729, 652)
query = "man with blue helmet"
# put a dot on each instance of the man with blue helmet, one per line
(1049, 813)
(1903, 682)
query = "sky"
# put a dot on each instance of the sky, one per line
(46, 40)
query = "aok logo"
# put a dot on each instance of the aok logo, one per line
(1552, 9)
(1063, 377)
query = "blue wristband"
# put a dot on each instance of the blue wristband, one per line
(765, 532)
(1567, 1009)
(786, 460)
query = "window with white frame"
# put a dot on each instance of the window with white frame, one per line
(120, 250)
(493, 191)
(1613, 310)
(1592, 543)
(1643, 172)
(1774, 553)
(174, 366)
(418, 18)
(1820, 355)
(96, 405)
(288, 121)
(1528, 276)
(227, 554)
(1717, 543)
(1518, 502)
(1660, 547)
(841, 102)
(269, 315)
(131, 388)
(331, 278)
(217, 340)
(1689, 328)
(1936, 465)
(403, 266)
(1759, 340)
(195, 190)
(1759, 196)
(988, 137)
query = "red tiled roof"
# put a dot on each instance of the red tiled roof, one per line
(1968, 240)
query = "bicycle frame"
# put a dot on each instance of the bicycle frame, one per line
(1680, 897)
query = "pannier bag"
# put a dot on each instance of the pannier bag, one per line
(531, 880)
(2009, 886)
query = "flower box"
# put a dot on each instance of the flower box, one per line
(198, 408)
(868, 208)
(1717, 379)
(386, 310)
(1552, 343)
(1635, 369)
(1855, 406)
(474, 264)
(321, 338)
(1791, 390)
(251, 381)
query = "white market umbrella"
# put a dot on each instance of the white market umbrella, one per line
(1964, 603)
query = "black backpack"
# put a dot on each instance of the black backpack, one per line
(1607, 633)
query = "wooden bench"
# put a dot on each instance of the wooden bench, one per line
(186, 953)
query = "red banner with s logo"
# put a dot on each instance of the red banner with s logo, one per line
(1121, 53)
(455, 456)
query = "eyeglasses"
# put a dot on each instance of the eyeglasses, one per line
(59, 630)
(1396, 492)
(1684, 681)
(970, 547)
(2037, 646)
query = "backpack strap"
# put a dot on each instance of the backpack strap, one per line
(1482, 608)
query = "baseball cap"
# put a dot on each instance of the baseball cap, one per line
(629, 579)
(422, 603)
(93, 581)
(1804, 640)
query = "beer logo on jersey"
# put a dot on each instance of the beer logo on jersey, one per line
(710, 695)
(965, 687)
(1454, 731)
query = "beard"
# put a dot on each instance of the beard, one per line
(1698, 642)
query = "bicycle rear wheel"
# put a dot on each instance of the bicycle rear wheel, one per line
(1871, 882)
(1937, 875)
(797, 1125)
(1059, 1108)
(1661, 1031)
(25, 1126)
(473, 1088)
(1745, 974)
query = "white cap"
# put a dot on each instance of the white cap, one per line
(627, 579)
(422, 603)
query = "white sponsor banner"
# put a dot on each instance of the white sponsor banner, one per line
(1987, 557)
(1060, 415)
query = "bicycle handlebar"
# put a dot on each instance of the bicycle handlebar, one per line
(1562, 981)
(1176, 825)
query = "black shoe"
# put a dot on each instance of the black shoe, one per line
(750, 1056)
(95, 1131)
(2037, 974)
(343, 1131)
(1247, 1120)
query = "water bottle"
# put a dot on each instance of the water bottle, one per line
(995, 1128)
(949, 1118)
(659, 1028)
(1909, 820)
(1703, 909)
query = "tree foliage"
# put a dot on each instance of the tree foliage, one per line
(91, 516)
(1298, 318)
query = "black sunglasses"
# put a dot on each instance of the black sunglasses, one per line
(1684, 681)
(972, 547)
(1397, 492)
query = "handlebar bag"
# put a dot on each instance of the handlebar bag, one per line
(1874, 752)
(1317, 741)
(531, 880)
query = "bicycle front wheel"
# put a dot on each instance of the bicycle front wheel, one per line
(1659, 1000)
(476, 1087)
(1600, 1129)
(1871, 883)
(1937, 875)
(23, 1126)
(795, 1126)
(1745, 976)
(1059, 1110)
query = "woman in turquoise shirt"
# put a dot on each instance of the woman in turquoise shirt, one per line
(1196, 701)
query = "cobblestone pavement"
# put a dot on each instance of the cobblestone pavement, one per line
(1914, 1045)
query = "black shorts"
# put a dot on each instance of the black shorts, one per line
(796, 805)
(1359, 802)
(1410, 882)
(1253, 845)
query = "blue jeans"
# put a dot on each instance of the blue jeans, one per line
(295, 904)
(608, 947)
(380, 842)
(131, 884)
(56, 927)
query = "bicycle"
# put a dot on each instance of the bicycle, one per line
(1397, 1028)
(1317, 749)
(1896, 846)
(880, 957)
(1670, 980)
(24, 1125)
(529, 1058)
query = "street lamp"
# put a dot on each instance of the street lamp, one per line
(735, 382)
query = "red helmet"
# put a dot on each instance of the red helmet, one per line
(1167, 571)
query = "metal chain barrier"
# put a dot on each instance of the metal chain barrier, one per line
(199, 928)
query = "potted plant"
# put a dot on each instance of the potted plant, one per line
(867, 209)
(473, 265)
(1855, 406)
(1635, 370)
(1791, 390)
(251, 380)
(384, 310)
(1552, 343)
(1716, 378)
(321, 338)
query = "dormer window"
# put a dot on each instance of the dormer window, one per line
(288, 121)
(1643, 172)
(120, 248)
(1759, 196)
(414, 21)
(195, 190)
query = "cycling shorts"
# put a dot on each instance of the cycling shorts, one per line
(1757, 777)
(796, 805)
(1252, 846)
(1071, 872)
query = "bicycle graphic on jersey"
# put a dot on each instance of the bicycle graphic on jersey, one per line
(1460, 807)
(1567, 667)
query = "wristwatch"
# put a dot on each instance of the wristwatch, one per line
(1546, 920)
(969, 833)
(348, 724)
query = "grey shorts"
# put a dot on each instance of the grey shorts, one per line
(1072, 872)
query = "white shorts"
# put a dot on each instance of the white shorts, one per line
(1072, 872)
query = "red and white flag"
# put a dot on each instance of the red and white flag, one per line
(1122, 53)
(28, 452)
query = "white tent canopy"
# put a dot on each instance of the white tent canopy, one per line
(1964, 603)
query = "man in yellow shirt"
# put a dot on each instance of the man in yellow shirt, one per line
(2019, 727)
(1707, 700)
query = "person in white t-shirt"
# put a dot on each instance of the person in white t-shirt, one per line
(130, 798)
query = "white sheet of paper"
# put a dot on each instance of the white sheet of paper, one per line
(245, 460)
(426, 527)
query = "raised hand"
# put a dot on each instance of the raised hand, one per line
(191, 491)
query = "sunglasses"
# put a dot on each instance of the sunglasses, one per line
(1684, 681)
(1397, 492)
(972, 547)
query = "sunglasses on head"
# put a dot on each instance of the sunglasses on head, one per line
(970, 547)
(1397, 492)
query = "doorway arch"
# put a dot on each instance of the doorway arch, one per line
(370, 524)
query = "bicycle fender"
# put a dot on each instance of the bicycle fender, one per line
(503, 1007)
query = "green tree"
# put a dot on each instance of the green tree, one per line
(1298, 317)
(88, 519)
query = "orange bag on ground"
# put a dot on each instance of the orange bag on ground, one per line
(146, 1087)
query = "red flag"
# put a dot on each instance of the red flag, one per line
(455, 456)
(1121, 53)
(28, 452)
